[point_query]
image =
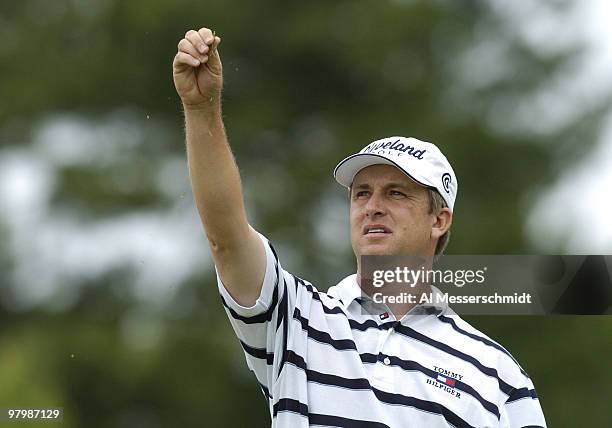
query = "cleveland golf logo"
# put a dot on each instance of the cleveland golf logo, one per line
(446, 181)
(394, 145)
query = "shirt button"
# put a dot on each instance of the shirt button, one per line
(387, 361)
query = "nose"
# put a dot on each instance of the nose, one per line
(375, 206)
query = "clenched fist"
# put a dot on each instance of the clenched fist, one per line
(197, 70)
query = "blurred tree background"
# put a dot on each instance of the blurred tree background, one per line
(108, 301)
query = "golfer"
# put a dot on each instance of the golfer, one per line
(342, 359)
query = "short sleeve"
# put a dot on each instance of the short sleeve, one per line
(262, 329)
(522, 408)
(265, 299)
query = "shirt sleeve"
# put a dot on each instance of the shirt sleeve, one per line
(262, 329)
(522, 408)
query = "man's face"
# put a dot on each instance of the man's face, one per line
(389, 214)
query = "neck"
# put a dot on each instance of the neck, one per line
(403, 292)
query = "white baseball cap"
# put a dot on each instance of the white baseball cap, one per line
(419, 160)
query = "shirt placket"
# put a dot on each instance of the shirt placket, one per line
(383, 373)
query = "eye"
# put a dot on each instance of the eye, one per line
(397, 194)
(362, 194)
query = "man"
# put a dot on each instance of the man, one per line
(339, 358)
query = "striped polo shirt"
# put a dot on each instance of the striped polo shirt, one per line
(339, 359)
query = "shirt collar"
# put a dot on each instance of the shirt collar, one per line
(348, 290)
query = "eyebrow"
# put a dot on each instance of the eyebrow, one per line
(388, 185)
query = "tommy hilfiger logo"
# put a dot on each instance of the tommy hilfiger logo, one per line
(445, 380)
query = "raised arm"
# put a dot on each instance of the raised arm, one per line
(237, 250)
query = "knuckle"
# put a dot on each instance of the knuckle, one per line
(184, 44)
(190, 33)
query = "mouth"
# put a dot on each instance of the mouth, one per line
(376, 230)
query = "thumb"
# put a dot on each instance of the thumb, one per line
(214, 60)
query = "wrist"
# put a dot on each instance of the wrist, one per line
(210, 108)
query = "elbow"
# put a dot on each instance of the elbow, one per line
(223, 244)
(217, 245)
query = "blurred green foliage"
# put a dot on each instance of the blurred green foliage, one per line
(305, 84)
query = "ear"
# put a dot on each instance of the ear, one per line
(441, 223)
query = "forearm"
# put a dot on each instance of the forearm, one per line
(239, 254)
(215, 179)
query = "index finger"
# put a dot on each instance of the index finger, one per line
(207, 35)
(196, 40)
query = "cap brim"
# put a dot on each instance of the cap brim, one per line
(347, 169)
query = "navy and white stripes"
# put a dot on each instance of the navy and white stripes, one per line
(321, 359)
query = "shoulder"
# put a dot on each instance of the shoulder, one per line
(484, 348)
(331, 298)
(345, 291)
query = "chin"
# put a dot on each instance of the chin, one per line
(377, 250)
